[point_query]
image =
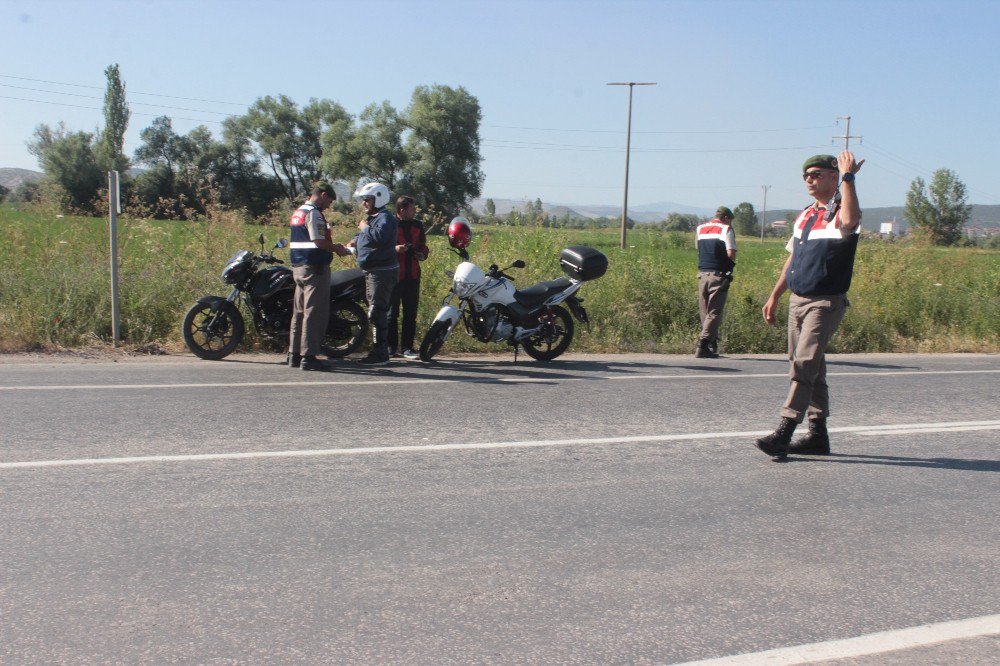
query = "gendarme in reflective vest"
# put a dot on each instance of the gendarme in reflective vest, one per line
(822, 254)
(307, 226)
(714, 239)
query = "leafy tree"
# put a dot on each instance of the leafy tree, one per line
(68, 160)
(371, 152)
(490, 208)
(116, 116)
(161, 145)
(680, 222)
(442, 149)
(938, 212)
(4, 191)
(745, 220)
(288, 140)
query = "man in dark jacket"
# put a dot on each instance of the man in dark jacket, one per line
(411, 246)
(376, 249)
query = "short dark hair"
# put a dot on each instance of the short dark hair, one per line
(404, 200)
(323, 187)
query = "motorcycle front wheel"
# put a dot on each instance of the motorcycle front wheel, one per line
(554, 336)
(212, 335)
(346, 329)
(432, 342)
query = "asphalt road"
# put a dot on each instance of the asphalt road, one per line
(599, 509)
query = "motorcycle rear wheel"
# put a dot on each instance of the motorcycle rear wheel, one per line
(554, 337)
(434, 339)
(346, 329)
(212, 335)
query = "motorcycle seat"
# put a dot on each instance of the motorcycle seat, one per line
(538, 293)
(345, 277)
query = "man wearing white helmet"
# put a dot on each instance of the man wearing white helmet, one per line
(376, 250)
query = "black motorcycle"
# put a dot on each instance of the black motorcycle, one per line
(214, 327)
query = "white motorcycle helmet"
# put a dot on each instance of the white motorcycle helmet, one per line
(376, 190)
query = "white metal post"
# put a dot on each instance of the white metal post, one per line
(114, 200)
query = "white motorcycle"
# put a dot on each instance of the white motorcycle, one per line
(493, 310)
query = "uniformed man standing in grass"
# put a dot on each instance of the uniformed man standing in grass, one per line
(716, 242)
(818, 273)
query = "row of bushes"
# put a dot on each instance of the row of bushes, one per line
(54, 285)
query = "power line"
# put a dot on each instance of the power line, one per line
(596, 131)
(527, 145)
(93, 108)
(159, 106)
(80, 85)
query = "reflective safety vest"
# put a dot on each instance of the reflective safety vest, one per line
(822, 254)
(304, 250)
(714, 239)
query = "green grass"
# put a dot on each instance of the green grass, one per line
(55, 284)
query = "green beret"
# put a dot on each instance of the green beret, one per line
(324, 187)
(821, 162)
(724, 212)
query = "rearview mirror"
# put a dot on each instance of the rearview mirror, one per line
(260, 239)
(518, 264)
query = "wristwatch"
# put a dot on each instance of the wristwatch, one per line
(848, 177)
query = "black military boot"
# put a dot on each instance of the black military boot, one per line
(705, 350)
(816, 443)
(310, 363)
(776, 444)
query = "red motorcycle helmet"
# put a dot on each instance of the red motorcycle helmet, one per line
(459, 233)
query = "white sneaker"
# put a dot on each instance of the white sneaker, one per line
(410, 354)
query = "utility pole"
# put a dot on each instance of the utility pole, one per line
(628, 147)
(847, 136)
(763, 215)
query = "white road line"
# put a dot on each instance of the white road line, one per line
(472, 446)
(884, 641)
(511, 380)
(914, 431)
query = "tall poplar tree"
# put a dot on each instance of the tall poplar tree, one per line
(110, 148)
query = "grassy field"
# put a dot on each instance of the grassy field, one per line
(54, 286)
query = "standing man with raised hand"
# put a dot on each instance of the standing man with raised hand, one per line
(376, 250)
(311, 254)
(818, 272)
(716, 243)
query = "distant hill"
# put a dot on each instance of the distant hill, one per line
(644, 213)
(872, 218)
(14, 178)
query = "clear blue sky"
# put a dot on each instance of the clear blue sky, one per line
(746, 90)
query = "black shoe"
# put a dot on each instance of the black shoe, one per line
(374, 359)
(293, 360)
(313, 363)
(816, 443)
(776, 444)
(705, 350)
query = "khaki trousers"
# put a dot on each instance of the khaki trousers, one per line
(311, 309)
(712, 292)
(812, 321)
